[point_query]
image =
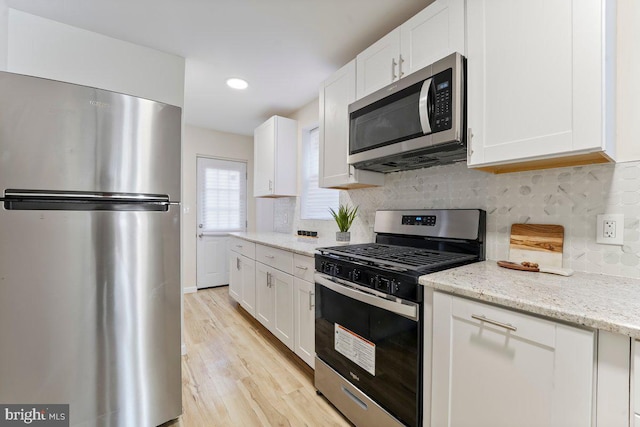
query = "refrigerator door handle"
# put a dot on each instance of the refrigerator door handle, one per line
(83, 201)
(79, 195)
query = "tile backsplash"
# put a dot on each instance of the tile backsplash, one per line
(571, 197)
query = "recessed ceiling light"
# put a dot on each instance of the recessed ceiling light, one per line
(237, 83)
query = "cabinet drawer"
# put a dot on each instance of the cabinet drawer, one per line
(500, 320)
(303, 267)
(276, 258)
(243, 247)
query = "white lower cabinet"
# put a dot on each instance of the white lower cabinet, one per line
(304, 308)
(277, 289)
(242, 281)
(496, 367)
(282, 288)
(265, 297)
(635, 400)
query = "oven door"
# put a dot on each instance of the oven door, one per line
(373, 342)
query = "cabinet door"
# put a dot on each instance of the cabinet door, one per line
(248, 296)
(535, 91)
(304, 307)
(431, 35)
(235, 276)
(286, 157)
(508, 368)
(264, 155)
(336, 94)
(635, 399)
(265, 301)
(377, 66)
(282, 289)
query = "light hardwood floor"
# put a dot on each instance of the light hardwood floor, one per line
(236, 373)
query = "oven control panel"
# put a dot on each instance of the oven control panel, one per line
(428, 220)
(395, 283)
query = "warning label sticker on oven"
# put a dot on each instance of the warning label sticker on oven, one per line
(355, 348)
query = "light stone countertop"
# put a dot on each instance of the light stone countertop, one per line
(293, 243)
(598, 301)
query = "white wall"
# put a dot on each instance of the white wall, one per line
(208, 143)
(45, 48)
(4, 34)
(628, 75)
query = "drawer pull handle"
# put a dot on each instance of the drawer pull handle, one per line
(311, 300)
(353, 397)
(269, 256)
(302, 267)
(494, 322)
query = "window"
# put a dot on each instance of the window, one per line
(315, 201)
(222, 195)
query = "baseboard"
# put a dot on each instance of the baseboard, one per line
(183, 350)
(190, 290)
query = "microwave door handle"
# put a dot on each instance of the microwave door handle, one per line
(423, 106)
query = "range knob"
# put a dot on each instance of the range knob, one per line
(393, 287)
(355, 275)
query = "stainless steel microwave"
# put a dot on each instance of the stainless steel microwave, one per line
(416, 122)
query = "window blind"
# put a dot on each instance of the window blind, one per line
(222, 187)
(315, 201)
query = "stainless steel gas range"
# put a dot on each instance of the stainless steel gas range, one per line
(373, 321)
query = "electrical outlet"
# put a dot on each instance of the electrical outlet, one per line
(610, 229)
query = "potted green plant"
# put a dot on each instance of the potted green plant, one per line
(344, 218)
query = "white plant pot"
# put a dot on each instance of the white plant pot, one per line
(343, 236)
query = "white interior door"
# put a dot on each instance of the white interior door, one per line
(222, 208)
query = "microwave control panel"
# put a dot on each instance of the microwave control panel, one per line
(442, 103)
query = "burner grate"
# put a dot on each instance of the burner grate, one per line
(399, 256)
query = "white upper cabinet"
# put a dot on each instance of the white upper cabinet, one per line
(432, 34)
(378, 65)
(275, 158)
(336, 93)
(540, 83)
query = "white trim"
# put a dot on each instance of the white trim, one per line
(183, 350)
(190, 290)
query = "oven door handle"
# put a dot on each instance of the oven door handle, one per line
(408, 311)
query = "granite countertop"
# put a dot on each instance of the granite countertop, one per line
(598, 301)
(292, 243)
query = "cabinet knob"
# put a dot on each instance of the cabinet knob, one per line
(201, 235)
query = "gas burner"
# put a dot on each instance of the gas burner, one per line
(403, 257)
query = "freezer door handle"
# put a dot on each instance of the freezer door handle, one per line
(83, 201)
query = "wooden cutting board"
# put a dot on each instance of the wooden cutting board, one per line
(539, 243)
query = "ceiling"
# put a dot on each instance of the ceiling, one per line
(283, 48)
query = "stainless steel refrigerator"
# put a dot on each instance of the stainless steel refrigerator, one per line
(89, 252)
